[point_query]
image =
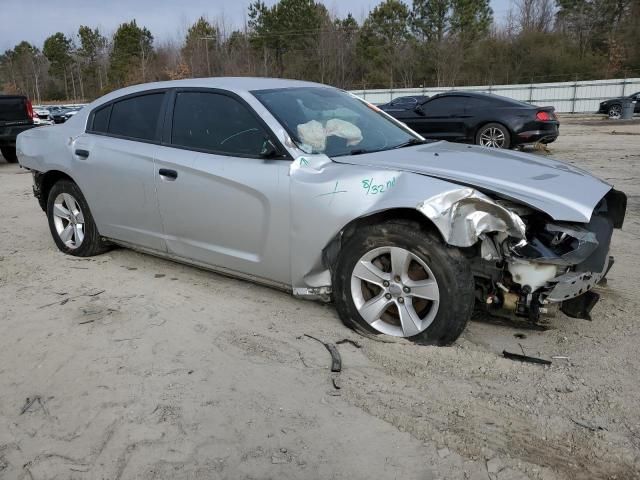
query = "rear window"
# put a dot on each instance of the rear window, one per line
(136, 117)
(13, 109)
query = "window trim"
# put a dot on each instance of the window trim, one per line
(159, 126)
(167, 130)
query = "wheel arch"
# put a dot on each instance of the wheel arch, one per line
(487, 122)
(45, 181)
(613, 104)
(332, 249)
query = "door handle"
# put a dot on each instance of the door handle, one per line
(168, 174)
(82, 153)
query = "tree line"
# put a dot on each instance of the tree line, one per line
(424, 43)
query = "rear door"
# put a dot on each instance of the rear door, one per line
(114, 167)
(222, 204)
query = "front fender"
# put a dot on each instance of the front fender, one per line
(326, 196)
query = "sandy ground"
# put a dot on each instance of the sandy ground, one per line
(139, 368)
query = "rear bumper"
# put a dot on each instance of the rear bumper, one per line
(535, 136)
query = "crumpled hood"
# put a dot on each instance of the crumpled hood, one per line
(564, 192)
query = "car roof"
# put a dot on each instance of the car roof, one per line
(233, 84)
(488, 96)
(455, 93)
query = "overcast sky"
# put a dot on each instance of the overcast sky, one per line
(35, 20)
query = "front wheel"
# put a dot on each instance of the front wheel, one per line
(493, 135)
(9, 154)
(399, 280)
(71, 222)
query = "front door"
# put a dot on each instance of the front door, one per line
(443, 118)
(221, 203)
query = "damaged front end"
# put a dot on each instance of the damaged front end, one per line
(522, 259)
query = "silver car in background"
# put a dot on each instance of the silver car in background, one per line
(309, 189)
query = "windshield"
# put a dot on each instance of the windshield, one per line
(333, 122)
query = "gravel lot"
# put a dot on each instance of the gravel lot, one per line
(136, 367)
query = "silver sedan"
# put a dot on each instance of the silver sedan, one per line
(310, 189)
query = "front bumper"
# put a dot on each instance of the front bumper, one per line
(573, 284)
(561, 262)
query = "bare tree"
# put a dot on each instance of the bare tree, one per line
(535, 15)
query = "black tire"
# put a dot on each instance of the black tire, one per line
(614, 111)
(450, 269)
(9, 154)
(92, 243)
(504, 130)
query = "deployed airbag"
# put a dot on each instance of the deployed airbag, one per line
(314, 134)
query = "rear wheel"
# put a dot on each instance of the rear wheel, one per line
(399, 280)
(615, 111)
(71, 223)
(493, 135)
(9, 154)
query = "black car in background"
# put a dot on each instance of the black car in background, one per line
(61, 114)
(481, 118)
(613, 106)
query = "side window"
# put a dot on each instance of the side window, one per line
(442, 106)
(101, 120)
(404, 101)
(473, 103)
(216, 123)
(136, 117)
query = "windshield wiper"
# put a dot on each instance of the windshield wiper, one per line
(360, 151)
(413, 141)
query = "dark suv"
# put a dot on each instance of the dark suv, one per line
(16, 116)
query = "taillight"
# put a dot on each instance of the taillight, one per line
(544, 116)
(29, 109)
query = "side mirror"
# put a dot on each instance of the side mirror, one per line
(269, 150)
(418, 109)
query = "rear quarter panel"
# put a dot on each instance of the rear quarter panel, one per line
(45, 148)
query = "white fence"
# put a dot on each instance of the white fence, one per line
(566, 97)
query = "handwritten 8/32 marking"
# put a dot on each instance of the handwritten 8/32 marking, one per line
(376, 188)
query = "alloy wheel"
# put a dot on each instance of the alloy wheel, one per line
(492, 137)
(68, 220)
(615, 111)
(395, 291)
